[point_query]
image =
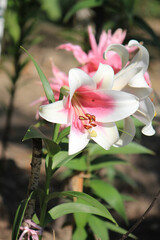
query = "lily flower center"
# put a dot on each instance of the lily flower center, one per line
(83, 119)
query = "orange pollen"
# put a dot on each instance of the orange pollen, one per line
(87, 126)
(82, 118)
(90, 118)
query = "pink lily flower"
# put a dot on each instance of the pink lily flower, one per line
(91, 112)
(90, 62)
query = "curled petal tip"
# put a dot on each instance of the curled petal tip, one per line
(132, 43)
(148, 130)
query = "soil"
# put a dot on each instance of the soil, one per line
(144, 169)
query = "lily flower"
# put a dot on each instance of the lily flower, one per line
(90, 111)
(90, 62)
(131, 79)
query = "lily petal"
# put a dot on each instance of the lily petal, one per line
(77, 139)
(92, 41)
(121, 50)
(78, 78)
(109, 105)
(55, 112)
(104, 76)
(128, 133)
(79, 54)
(106, 134)
(145, 114)
(141, 93)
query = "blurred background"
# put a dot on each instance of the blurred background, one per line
(40, 26)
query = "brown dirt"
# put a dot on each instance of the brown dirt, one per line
(145, 169)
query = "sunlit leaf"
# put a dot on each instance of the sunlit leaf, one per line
(47, 88)
(85, 197)
(61, 158)
(67, 208)
(132, 148)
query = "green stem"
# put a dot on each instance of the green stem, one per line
(47, 184)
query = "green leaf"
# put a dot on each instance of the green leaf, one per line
(98, 227)
(81, 5)
(61, 158)
(78, 164)
(79, 233)
(132, 148)
(63, 134)
(47, 88)
(67, 208)
(34, 132)
(85, 197)
(105, 161)
(19, 217)
(118, 229)
(110, 195)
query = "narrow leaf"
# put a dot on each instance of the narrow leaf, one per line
(118, 229)
(132, 148)
(61, 158)
(34, 132)
(78, 164)
(79, 233)
(47, 88)
(63, 134)
(67, 208)
(19, 217)
(98, 227)
(110, 195)
(87, 198)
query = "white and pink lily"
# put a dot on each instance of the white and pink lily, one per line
(90, 111)
(131, 79)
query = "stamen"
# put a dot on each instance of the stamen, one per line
(82, 118)
(93, 124)
(88, 116)
(87, 126)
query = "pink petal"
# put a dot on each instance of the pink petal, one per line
(79, 54)
(92, 41)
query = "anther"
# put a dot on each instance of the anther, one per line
(87, 127)
(82, 118)
(93, 124)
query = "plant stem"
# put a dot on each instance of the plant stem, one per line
(8, 121)
(47, 184)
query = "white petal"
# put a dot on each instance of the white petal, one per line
(133, 73)
(105, 74)
(121, 50)
(77, 140)
(78, 78)
(145, 114)
(122, 105)
(148, 130)
(128, 133)
(55, 112)
(141, 93)
(106, 134)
